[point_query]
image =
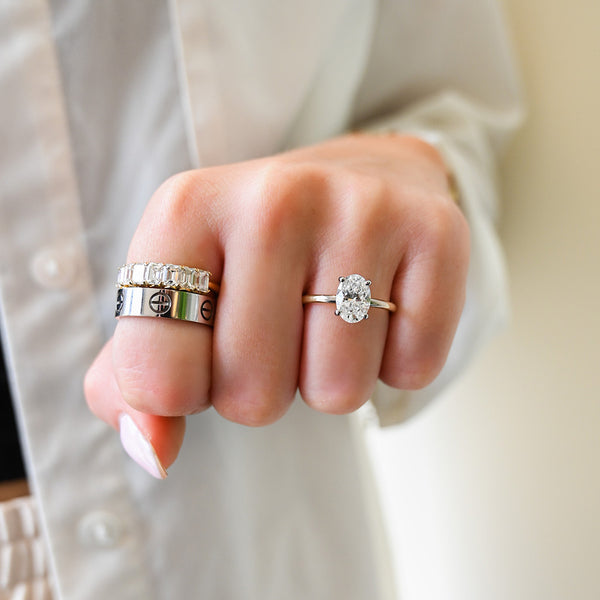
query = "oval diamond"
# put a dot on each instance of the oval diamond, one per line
(353, 298)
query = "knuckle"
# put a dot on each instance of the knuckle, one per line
(364, 188)
(286, 178)
(285, 190)
(153, 381)
(136, 388)
(175, 197)
(156, 394)
(413, 379)
(443, 226)
(187, 191)
(415, 372)
(175, 204)
(365, 204)
(284, 204)
(250, 408)
(335, 400)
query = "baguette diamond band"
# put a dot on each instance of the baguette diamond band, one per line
(160, 275)
(353, 299)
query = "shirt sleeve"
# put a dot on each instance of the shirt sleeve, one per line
(462, 95)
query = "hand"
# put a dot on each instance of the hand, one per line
(271, 230)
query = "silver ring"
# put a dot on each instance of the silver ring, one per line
(353, 299)
(166, 276)
(166, 304)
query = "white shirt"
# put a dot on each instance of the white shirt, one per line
(102, 101)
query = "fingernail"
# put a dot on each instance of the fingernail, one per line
(136, 444)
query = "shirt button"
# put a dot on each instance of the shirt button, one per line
(100, 529)
(54, 267)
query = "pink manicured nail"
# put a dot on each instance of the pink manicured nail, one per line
(136, 444)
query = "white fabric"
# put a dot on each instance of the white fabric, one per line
(100, 102)
(23, 561)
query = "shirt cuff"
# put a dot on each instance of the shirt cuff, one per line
(471, 160)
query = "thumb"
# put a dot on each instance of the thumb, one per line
(152, 441)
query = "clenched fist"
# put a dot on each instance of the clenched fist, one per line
(270, 231)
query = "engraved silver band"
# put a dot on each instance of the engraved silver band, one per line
(167, 304)
(167, 276)
(373, 303)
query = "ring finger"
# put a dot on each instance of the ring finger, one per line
(341, 360)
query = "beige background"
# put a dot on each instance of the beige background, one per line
(497, 486)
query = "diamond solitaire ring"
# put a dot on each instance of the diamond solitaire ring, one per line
(353, 299)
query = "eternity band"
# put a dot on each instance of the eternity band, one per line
(160, 275)
(167, 304)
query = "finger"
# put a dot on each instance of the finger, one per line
(163, 366)
(341, 360)
(153, 442)
(258, 334)
(430, 288)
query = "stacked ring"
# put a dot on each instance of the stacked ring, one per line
(187, 294)
(166, 291)
(160, 275)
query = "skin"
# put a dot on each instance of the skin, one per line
(271, 230)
